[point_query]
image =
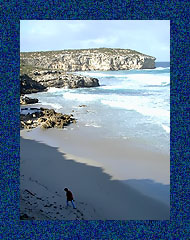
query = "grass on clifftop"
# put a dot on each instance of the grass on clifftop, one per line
(28, 69)
(79, 51)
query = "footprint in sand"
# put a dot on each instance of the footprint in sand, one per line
(49, 205)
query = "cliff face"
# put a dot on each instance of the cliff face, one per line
(102, 59)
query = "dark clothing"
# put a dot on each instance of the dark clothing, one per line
(69, 196)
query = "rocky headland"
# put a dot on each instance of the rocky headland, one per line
(42, 70)
(102, 59)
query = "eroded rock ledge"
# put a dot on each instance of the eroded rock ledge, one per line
(40, 80)
(54, 78)
(26, 100)
(45, 118)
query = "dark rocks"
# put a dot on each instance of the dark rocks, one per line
(26, 217)
(40, 80)
(26, 100)
(82, 105)
(28, 85)
(52, 119)
(91, 82)
(45, 118)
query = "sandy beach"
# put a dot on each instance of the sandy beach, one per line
(95, 118)
(110, 179)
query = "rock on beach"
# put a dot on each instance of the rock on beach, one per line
(45, 118)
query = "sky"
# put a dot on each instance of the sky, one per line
(151, 37)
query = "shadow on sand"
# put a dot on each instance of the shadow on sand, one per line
(112, 199)
(151, 188)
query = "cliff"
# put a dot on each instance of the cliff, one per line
(102, 59)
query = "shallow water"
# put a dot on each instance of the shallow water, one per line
(131, 104)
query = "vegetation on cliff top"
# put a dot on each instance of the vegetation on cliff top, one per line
(29, 69)
(80, 51)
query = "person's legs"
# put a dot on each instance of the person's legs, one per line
(67, 203)
(73, 204)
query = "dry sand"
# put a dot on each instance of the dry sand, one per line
(99, 193)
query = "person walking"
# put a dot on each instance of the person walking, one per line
(69, 197)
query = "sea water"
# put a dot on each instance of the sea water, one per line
(130, 104)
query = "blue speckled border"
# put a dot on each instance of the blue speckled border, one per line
(13, 11)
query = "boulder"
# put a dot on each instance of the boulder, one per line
(82, 105)
(26, 100)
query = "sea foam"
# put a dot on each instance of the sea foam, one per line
(53, 105)
(166, 128)
(140, 104)
(81, 97)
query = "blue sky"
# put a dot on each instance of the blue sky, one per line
(151, 37)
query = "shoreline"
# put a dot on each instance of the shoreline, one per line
(89, 142)
(102, 165)
(78, 112)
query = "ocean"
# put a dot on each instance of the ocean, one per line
(130, 104)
